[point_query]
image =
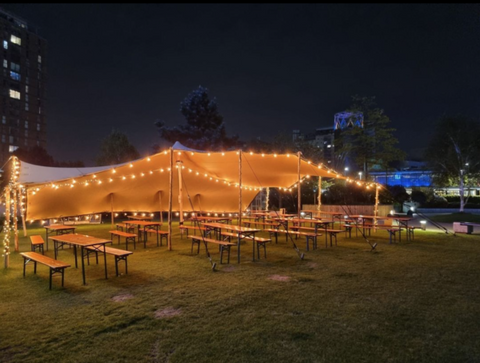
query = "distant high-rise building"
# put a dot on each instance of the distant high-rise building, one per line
(23, 86)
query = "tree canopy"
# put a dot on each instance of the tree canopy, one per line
(37, 155)
(205, 129)
(116, 149)
(374, 144)
(453, 153)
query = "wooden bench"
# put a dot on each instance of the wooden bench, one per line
(129, 237)
(37, 242)
(265, 224)
(261, 242)
(54, 265)
(193, 228)
(333, 234)
(125, 227)
(162, 234)
(120, 255)
(223, 245)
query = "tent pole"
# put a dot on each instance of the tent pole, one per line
(21, 208)
(319, 205)
(180, 194)
(239, 200)
(170, 196)
(161, 207)
(112, 216)
(267, 199)
(299, 189)
(15, 220)
(376, 207)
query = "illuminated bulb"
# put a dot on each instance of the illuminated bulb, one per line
(94, 176)
(131, 165)
(133, 176)
(161, 170)
(141, 174)
(148, 159)
(114, 171)
(123, 178)
(110, 180)
(208, 154)
(223, 154)
(151, 172)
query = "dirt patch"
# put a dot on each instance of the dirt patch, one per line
(122, 297)
(279, 278)
(312, 264)
(166, 313)
(229, 269)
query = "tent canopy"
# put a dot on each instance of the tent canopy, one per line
(210, 182)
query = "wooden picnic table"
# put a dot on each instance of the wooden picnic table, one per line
(82, 241)
(242, 232)
(145, 225)
(59, 229)
(211, 219)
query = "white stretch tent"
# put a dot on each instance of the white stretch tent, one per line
(210, 183)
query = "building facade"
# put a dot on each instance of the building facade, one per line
(23, 86)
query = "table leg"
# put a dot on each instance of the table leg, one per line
(75, 253)
(83, 264)
(253, 246)
(55, 248)
(46, 237)
(105, 259)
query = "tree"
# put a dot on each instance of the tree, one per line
(453, 153)
(374, 144)
(205, 129)
(39, 156)
(116, 149)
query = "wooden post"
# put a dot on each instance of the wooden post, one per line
(299, 189)
(319, 206)
(112, 217)
(15, 218)
(267, 199)
(21, 209)
(376, 207)
(239, 200)
(170, 196)
(180, 194)
(161, 206)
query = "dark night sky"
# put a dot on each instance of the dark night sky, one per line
(271, 67)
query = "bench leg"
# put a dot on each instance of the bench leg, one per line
(51, 274)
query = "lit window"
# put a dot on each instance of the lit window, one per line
(15, 75)
(39, 59)
(38, 127)
(14, 94)
(26, 89)
(4, 139)
(26, 80)
(26, 124)
(26, 98)
(12, 148)
(5, 44)
(15, 40)
(5, 63)
(27, 107)
(39, 110)
(4, 120)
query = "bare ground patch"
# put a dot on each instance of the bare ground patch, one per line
(122, 297)
(167, 312)
(279, 278)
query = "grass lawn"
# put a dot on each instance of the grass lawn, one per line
(456, 217)
(415, 301)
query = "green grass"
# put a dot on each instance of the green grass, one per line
(456, 217)
(416, 301)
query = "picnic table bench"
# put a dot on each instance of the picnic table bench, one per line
(223, 245)
(260, 241)
(54, 265)
(120, 255)
(129, 237)
(162, 234)
(125, 227)
(193, 228)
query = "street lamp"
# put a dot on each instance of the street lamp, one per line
(360, 175)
